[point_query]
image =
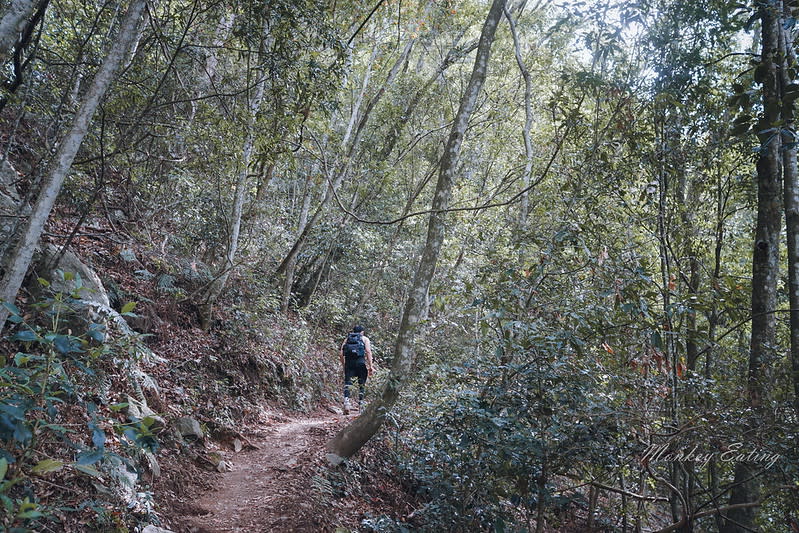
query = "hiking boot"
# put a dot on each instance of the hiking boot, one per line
(346, 406)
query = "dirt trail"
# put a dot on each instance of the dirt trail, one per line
(268, 489)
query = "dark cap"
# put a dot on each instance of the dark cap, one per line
(357, 329)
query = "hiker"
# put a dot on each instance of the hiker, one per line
(356, 358)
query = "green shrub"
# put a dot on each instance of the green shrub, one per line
(56, 382)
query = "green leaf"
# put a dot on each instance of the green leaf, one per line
(66, 344)
(13, 309)
(128, 307)
(96, 332)
(117, 407)
(22, 433)
(43, 282)
(86, 469)
(25, 335)
(89, 457)
(98, 437)
(47, 465)
(28, 510)
(147, 421)
(20, 359)
(27, 505)
(3, 468)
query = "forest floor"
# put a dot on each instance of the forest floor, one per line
(277, 482)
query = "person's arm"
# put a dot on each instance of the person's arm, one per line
(367, 344)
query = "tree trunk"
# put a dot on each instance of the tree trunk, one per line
(344, 166)
(765, 258)
(210, 296)
(289, 265)
(22, 254)
(292, 266)
(524, 206)
(411, 103)
(350, 439)
(207, 78)
(791, 203)
(374, 281)
(12, 23)
(664, 148)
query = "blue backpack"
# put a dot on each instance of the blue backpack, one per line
(354, 348)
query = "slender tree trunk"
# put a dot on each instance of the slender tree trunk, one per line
(685, 202)
(372, 282)
(292, 266)
(215, 289)
(22, 254)
(392, 139)
(12, 23)
(663, 149)
(289, 265)
(765, 258)
(418, 96)
(207, 78)
(344, 166)
(524, 205)
(791, 202)
(350, 439)
(356, 108)
(691, 335)
(541, 484)
(263, 185)
(713, 321)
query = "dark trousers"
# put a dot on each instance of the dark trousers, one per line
(355, 369)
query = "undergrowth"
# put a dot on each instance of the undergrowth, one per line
(69, 456)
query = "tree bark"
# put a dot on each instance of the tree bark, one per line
(20, 258)
(524, 205)
(765, 257)
(12, 23)
(350, 439)
(290, 269)
(791, 204)
(207, 77)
